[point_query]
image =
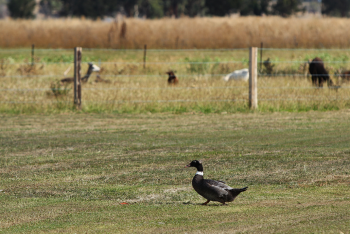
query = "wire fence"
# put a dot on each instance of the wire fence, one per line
(130, 78)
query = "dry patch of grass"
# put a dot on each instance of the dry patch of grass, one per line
(134, 89)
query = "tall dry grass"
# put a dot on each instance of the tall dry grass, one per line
(226, 32)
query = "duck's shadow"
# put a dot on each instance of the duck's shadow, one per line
(201, 204)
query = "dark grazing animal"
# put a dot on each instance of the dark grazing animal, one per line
(319, 73)
(92, 68)
(172, 78)
(345, 75)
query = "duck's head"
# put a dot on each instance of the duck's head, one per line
(197, 164)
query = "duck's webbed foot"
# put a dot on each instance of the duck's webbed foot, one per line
(205, 203)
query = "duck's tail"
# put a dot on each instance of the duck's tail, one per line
(235, 192)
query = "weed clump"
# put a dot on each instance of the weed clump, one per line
(57, 91)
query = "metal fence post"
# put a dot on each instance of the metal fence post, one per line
(253, 78)
(77, 77)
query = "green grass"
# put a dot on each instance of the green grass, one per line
(71, 172)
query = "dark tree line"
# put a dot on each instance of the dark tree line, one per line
(21, 8)
(160, 8)
(336, 7)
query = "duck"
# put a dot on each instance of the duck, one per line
(212, 190)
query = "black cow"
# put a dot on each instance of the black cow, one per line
(319, 73)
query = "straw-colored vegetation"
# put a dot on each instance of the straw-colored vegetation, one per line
(74, 173)
(226, 32)
(133, 88)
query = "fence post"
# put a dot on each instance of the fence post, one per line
(144, 56)
(253, 78)
(261, 55)
(33, 55)
(77, 77)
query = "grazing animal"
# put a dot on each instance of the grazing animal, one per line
(92, 68)
(242, 74)
(212, 190)
(345, 75)
(319, 73)
(172, 78)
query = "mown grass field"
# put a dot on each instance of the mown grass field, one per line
(133, 88)
(70, 173)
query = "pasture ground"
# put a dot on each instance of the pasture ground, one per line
(72, 172)
(135, 89)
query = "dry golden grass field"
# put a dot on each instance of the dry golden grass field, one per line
(135, 88)
(131, 88)
(242, 32)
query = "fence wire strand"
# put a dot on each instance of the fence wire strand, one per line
(264, 97)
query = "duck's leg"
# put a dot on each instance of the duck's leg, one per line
(205, 203)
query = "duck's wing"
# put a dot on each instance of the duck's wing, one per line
(218, 184)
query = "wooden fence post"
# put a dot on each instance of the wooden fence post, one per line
(33, 55)
(144, 56)
(253, 78)
(77, 77)
(261, 55)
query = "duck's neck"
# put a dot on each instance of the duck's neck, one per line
(199, 170)
(199, 173)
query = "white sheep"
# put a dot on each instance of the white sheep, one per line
(242, 74)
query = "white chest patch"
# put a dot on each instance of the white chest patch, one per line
(199, 173)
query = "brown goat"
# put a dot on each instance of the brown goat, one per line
(319, 73)
(172, 78)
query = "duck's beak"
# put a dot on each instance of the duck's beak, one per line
(189, 165)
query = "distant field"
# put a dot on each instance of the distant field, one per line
(70, 173)
(183, 33)
(133, 88)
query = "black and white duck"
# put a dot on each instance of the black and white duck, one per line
(212, 190)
